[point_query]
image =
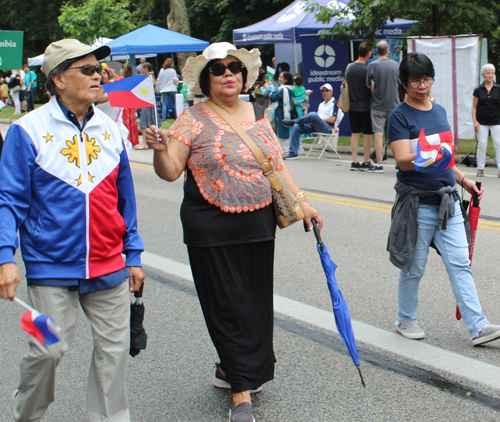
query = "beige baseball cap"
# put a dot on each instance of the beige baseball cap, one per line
(60, 51)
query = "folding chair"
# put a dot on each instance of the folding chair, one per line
(324, 141)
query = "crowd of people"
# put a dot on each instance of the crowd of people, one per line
(227, 213)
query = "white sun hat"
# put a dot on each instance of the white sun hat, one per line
(220, 50)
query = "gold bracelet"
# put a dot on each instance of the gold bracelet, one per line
(300, 195)
(307, 203)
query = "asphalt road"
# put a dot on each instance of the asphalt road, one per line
(315, 379)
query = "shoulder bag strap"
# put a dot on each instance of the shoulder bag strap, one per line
(266, 166)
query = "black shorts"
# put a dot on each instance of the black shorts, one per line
(22, 96)
(361, 121)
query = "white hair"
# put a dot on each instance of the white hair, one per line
(486, 67)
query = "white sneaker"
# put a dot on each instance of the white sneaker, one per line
(488, 333)
(13, 406)
(410, 329)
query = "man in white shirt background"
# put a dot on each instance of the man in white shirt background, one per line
(322, 121)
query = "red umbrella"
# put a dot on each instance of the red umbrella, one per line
(473, 219)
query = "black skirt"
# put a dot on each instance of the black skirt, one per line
(235, 289)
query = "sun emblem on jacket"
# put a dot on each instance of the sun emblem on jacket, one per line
(73, 153)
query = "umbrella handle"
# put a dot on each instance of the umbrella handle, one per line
(475, 200)
(138, 293)
(316, 233)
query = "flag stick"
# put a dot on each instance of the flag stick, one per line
(24, 304)
(154, 95)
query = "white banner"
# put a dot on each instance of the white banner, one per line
(455, 61)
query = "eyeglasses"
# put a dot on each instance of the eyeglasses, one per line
(88, 69)
(426, 82)
(325, 90)
(218, 69)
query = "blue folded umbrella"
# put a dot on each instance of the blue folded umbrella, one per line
(340, 308)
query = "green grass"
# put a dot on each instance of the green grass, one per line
(166, 125)
(464, 145)
(8, 113)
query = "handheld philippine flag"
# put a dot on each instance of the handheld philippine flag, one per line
(40, 326)
(132, 92)
(428, 151)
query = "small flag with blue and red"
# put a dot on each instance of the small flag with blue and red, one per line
(132, 92)
(41, 326)
(434, 148)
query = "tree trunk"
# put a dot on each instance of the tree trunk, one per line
(178, 21)
(435, 19)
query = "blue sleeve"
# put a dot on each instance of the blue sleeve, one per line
(276, 95)
(335, 110)
(16, 171)
(397, 127)
(132, 241)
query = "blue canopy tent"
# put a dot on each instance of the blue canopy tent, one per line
(153, 39)
(296, 36)
(293, 21)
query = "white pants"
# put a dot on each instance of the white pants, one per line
(285, 144)
(15, 98)
(108, 312)
(482, 143)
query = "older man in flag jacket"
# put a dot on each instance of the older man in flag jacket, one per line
(66, 186)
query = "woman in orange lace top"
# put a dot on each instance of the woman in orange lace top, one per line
(227, 215)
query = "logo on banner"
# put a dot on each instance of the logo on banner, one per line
(292, 13)
(324, 56)
(338, 5)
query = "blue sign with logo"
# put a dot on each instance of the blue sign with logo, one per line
(395, 50)
(324, 61)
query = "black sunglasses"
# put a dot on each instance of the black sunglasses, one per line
(219, 69)
(88, 69)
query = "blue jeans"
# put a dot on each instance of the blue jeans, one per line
(311, 122)
(454, 249)
(30, 102)
(164, 102)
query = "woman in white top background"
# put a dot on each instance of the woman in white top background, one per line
(167, 86)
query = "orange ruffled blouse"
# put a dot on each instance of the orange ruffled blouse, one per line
(227, 173)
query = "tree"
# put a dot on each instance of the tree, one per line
(178, 21)
(214, 20)
(96, 18)
(361, 18)
(27, 16)
(38, 33)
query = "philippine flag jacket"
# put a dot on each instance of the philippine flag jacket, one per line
(70, 194)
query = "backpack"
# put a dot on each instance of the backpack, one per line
(13, 83)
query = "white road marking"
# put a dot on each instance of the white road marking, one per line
(426, 354)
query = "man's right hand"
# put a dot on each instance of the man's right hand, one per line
(9, 279)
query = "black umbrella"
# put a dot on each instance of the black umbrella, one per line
(138, 336)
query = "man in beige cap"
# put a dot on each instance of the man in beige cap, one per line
(66, 186)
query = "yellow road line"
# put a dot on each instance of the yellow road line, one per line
(349, 202)
(489, 228)
(490, 225)
(345, 201)
(142, 166)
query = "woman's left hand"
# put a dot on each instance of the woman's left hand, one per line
(470, 186)
(310, 213)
